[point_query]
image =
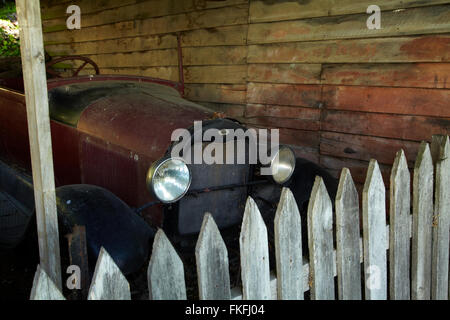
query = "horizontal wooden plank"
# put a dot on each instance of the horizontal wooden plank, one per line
(221, 93)
(415, 128)
(426, 20)
(434, 48)
(143, 43)
(219, 36)
(234, 74)
(285, 73)
(420, 75)
(169, 57)
(114, 11)
(167, 73)
(283, 117)
(410, 101)
(284, 94)
(296, 124)
(301, 138)
(264, 11)
(57, 8)
(263, 110)
(234, 111)
(365, 148)
(152, 58)
(227, 16)
(224, 55)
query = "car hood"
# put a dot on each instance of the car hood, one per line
(135, 115)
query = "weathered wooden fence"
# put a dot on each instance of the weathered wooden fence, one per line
(382, 248)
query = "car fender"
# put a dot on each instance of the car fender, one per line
(109, 223)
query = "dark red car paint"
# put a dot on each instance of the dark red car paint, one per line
(115, 141)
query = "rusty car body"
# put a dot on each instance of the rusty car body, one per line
(107, 131)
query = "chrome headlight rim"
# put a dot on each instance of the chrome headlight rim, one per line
(272, 164)
(150, 181)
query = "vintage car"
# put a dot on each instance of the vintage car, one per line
(111, 139)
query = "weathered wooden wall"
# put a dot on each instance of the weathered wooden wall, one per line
(341, 93)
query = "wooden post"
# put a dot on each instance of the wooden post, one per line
(34, 76)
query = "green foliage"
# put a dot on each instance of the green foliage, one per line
(9, 39)
(7, 10)
(9, 46)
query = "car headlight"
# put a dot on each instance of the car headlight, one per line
(169, 179)
(282, 165)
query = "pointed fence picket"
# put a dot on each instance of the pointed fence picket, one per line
(374, 232)
(348, 239)
(422, 225)
(399, 238)
(108, 282)
(165, 271)
(441, 224)
(320, 242)
(212, 263)
(295, 274)
(44, 288)
(254, 249)
(288, 248)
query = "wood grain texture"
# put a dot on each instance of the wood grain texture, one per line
(44, 288)
(347, 239)
(426, 20)
(130, 44)
(288, 248)
(221, 93)
(320, 243)
(94, 15)
(283, 117)
(264, 11)
(407, 101)
(254, 252)
(441, 224)
(167, 73)
(356, 147)
(215, 36)
(284, 94)
(428, 48)
(285, 73)
(219, 17)
(399, 238)
(36, 97)
(422, 225)
(413, 75)
(233, 74)
(108, 282)
(212, 262)
(385, 125)
(165, 271)
(374, 234)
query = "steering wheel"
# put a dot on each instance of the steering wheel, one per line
(76, 72)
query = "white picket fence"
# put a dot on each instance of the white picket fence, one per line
(427, 257)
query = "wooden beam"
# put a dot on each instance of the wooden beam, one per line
(33, 65)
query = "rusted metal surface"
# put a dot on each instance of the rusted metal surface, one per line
(79, 257)
(53, 83)
(117, 138)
